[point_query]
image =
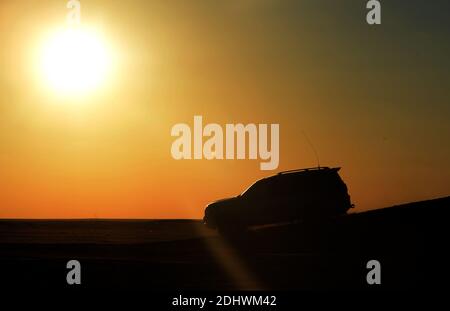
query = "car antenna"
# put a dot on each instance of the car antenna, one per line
(312, 147)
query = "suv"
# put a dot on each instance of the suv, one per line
(301, 195)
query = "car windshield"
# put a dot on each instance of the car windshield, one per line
(247, 190)
(254, 188)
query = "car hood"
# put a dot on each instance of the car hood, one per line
(219, 204)
(226, 200)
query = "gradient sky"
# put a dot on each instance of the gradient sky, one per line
(373, 100)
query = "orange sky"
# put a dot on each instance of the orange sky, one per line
(372, 100)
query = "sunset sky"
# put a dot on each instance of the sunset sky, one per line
(374, 100)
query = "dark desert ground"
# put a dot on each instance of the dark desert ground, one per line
(410, 241)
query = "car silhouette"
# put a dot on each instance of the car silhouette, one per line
(302, 195)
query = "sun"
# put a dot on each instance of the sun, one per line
(75, 61)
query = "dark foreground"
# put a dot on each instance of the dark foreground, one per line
(410, 241)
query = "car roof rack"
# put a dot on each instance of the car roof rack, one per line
(317, 168)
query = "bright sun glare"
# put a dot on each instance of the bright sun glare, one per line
(75, 61)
